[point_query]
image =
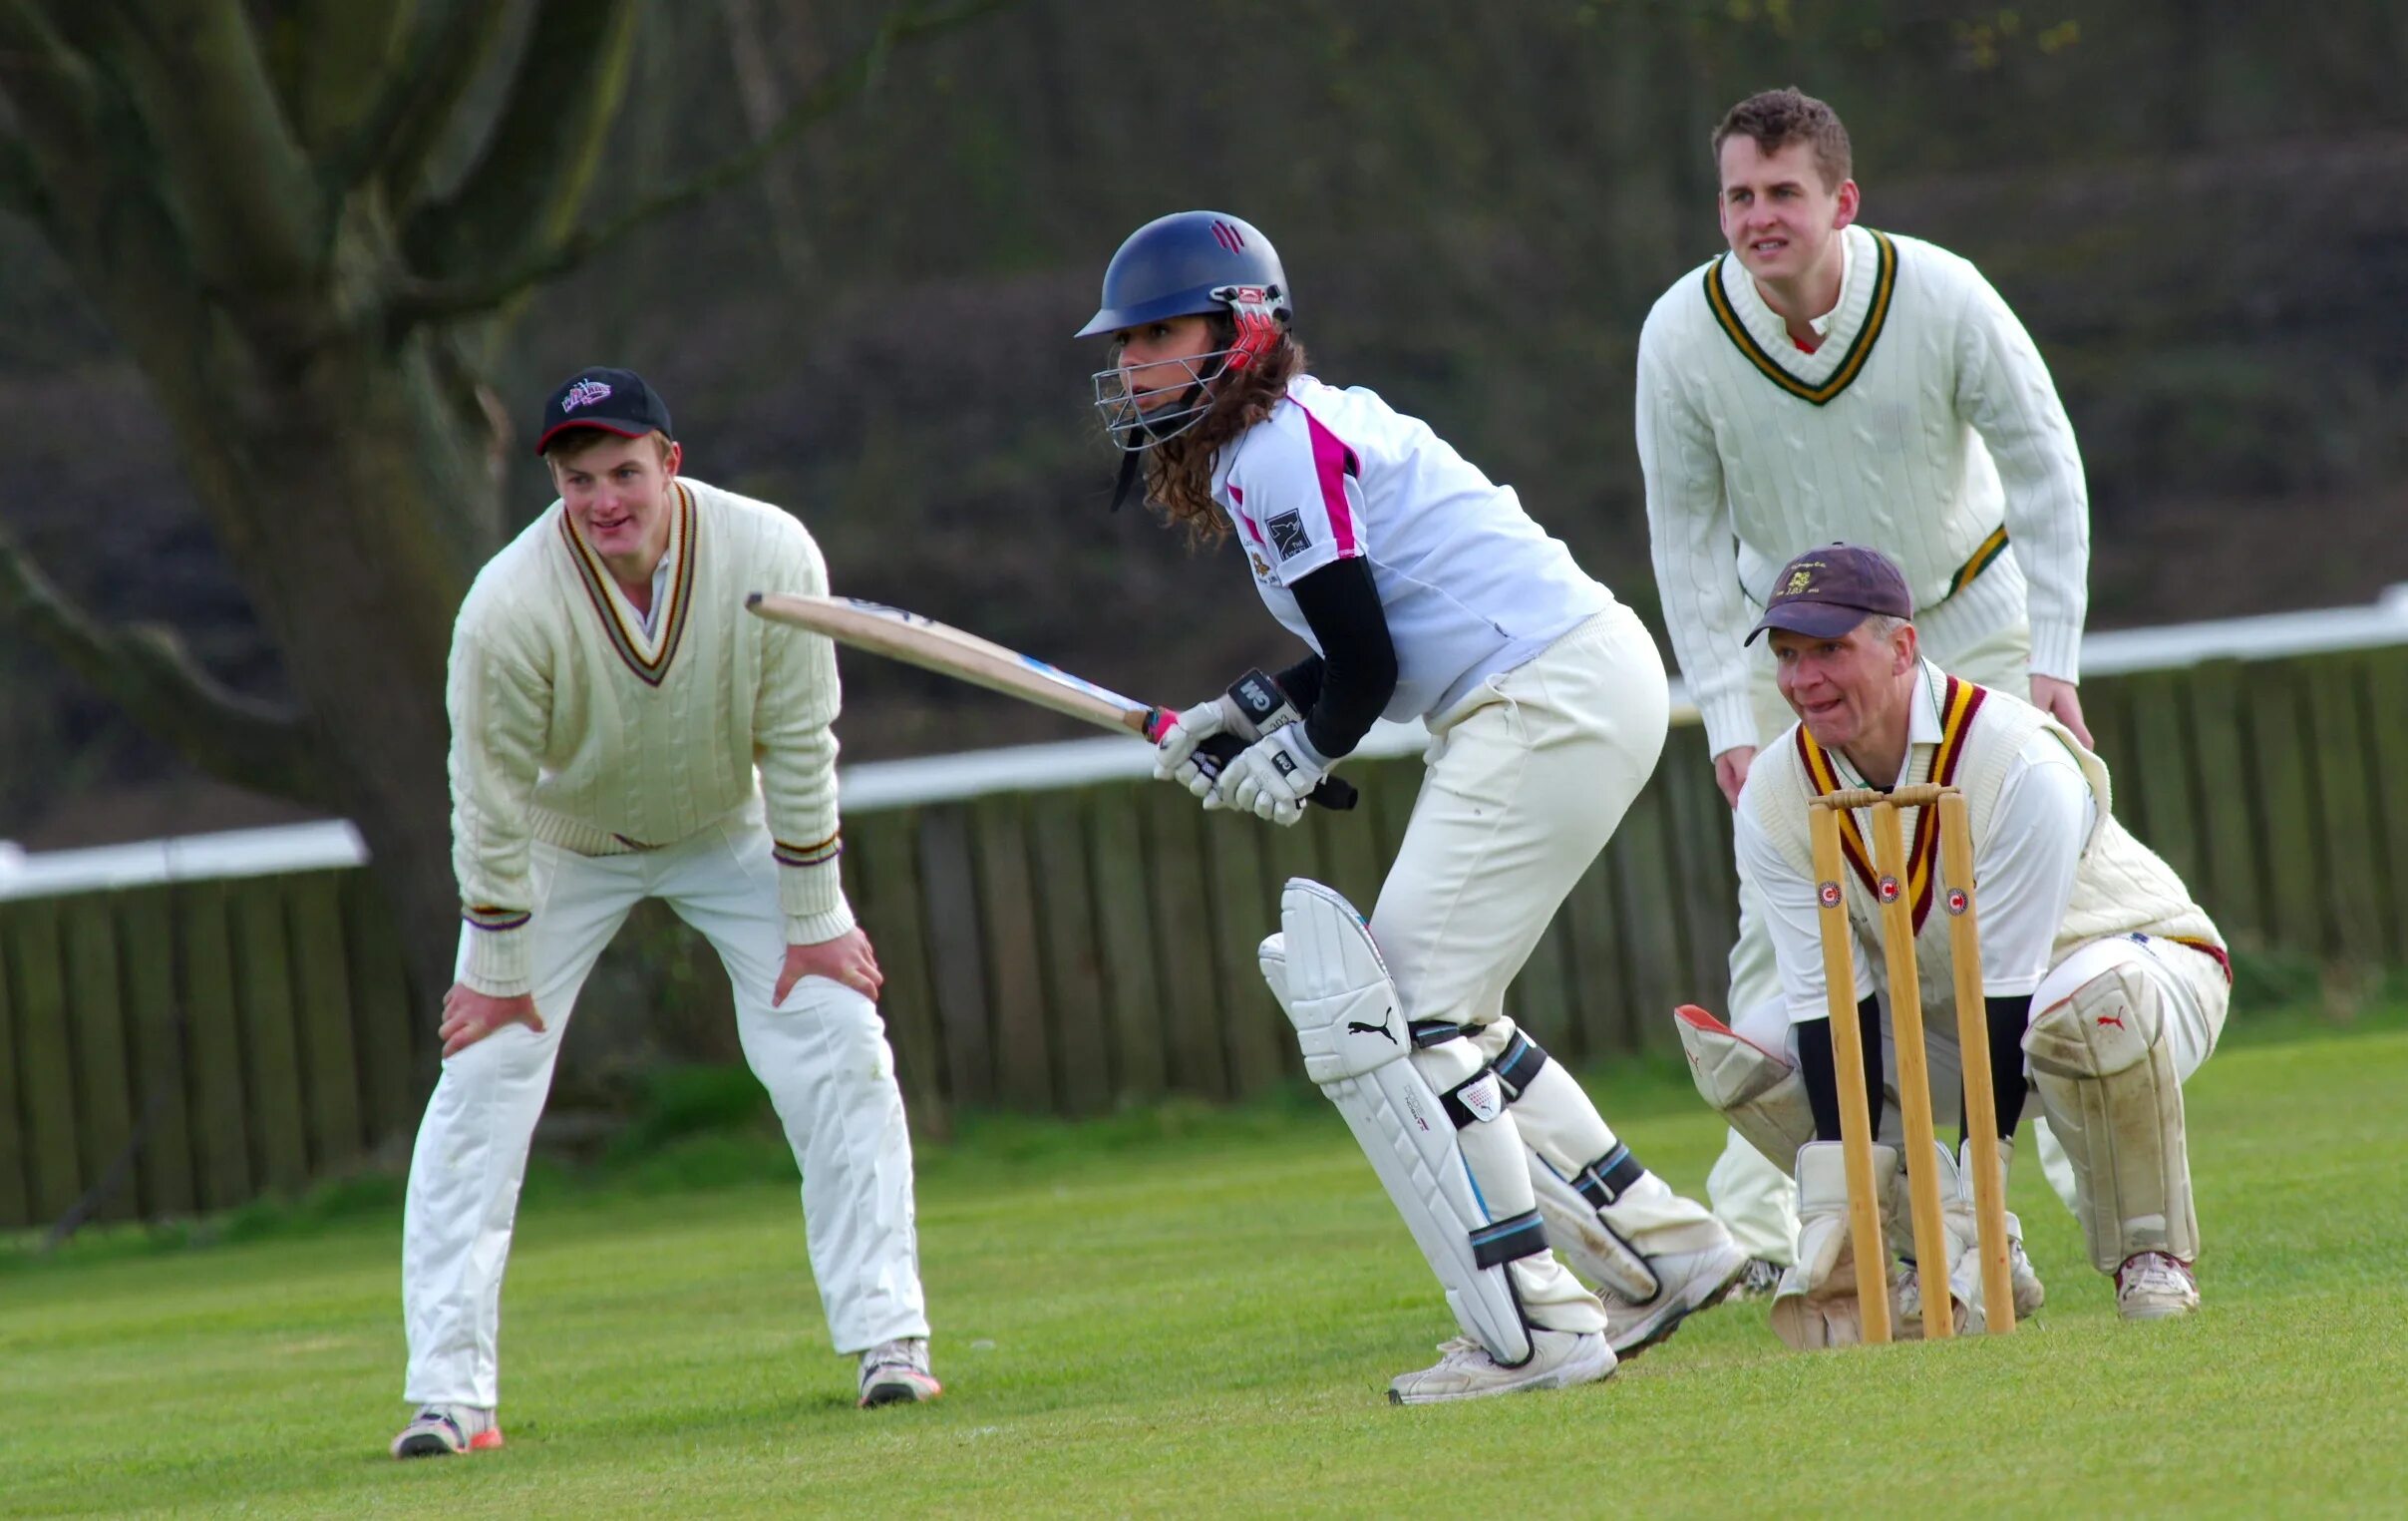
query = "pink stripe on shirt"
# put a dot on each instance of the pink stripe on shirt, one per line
(1333, 462)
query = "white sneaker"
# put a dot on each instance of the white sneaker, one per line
(1688, 1281)
(1762, 1277)
(1906, 1306)
(2154, 1287)
(1465, 1371)
(2030, 1293)
(448, 1431)
(897, 1372)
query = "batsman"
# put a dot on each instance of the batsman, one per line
(2101, 978)
(1423, 591)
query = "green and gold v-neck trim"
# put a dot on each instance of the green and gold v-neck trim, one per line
(647, 655)
(1852, 362)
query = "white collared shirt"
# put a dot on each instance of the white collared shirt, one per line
(2024, 864)
(660, 594)
(1822, 324)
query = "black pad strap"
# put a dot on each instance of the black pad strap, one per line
(1508, 1239)
(1460, 1112)
(1430, 1032)
(1609, 1177)
(1519, 1066)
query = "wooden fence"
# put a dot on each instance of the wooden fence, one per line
(1069, 951)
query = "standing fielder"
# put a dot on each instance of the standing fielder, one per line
(620, 730)
(1822, 381)
(1424, 591)
(2099, 975)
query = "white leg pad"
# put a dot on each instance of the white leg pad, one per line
(1330, 980)
(2107, 1080)
(1757, 1090)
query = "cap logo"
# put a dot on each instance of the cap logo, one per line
(1799, 582)
(1228, 237)
(584, 394)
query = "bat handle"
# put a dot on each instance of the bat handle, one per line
(1333, 792)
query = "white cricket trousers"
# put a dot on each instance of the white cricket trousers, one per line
(1753, 1196)
(823, 1056)
(1526, 780)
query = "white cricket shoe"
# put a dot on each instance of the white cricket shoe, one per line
(1762, 1277)
(1906, 1306)
(1465, 1371)
(2154, 1287)
(2030, 1293)
(1688, 1281)
(897, 1372)
(448, 1431)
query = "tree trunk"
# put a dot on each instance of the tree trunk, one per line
(360, 597)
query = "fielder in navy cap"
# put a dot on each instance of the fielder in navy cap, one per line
(614, 401)
(1826, 592)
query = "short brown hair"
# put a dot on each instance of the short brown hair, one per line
(1773, 118)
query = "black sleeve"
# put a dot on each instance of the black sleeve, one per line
(1342, 689)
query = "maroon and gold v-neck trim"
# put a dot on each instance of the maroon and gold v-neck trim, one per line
(647, 657)
(1960, 701)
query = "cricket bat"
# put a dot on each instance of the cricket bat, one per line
(930, 645)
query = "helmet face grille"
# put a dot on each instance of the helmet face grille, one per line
(1139, 418)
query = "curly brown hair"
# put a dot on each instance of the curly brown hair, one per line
(1179, 473)
(1775, 119)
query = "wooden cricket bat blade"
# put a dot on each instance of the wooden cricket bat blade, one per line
(922, 641)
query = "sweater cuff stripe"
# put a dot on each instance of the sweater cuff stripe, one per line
(808, 855)
(485, 916)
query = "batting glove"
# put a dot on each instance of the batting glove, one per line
(1250, 708)
(1272, 777)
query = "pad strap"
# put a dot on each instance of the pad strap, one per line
(1605, 1179)
(1508, 1241)
(1519, 1065)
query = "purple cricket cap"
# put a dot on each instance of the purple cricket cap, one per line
(1825, 592)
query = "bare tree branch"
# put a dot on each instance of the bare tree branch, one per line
(443, 300)
(431, 72)
(148, 672)
(524, 188)
(762, 93)
(327, 56)
(250, 206)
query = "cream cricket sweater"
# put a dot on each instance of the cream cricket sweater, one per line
(2120, 887)
(574, 724)
(1922, 426)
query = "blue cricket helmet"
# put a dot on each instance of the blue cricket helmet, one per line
(1186, 264)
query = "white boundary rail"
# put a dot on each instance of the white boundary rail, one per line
(873, 784)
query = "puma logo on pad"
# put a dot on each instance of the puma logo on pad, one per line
(1358, 1027)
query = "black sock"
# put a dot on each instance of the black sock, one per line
(1821, 1074)
(2008, 1019)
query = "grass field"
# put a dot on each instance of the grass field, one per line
(1191, 1314)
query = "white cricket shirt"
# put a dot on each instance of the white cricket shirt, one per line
(2044, 815)
(1471, 586)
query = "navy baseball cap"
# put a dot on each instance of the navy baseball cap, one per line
(614, 401)
(1825, 592)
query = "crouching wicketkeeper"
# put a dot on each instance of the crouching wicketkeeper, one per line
(2102, 979)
